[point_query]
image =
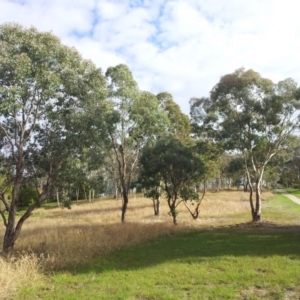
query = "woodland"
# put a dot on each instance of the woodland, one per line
(70, 130)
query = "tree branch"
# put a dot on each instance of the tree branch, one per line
(3, 217)
(4, 201)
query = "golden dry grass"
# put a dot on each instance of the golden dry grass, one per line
(60, 238)
(18, 272)
(65, 237)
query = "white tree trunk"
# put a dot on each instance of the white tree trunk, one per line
(57, 197)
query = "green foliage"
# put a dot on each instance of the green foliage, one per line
(66, 201)
(121, 83)
(152, 193)
(46, 92)
(173, 166)
(179, 125)
(251, 115)
(210, 154)
(171, 162)
(28, 196)
(236, 165)
(249, 112)
(51, 86)
(139, 120)
(189, 194)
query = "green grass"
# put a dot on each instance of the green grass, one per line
(238, 262)
(46, 205)
(295, 192)
(218, 264)
(281, 210)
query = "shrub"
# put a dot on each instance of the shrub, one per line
(27, 196)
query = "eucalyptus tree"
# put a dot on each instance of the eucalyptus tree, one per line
(286, 169)
(252, 116)
(209, 154)
(236, 170)
(179, 127)
(45, 88)
(78, 178)
(179, 122)
(5, 184)
(173, 166)
(295, 160)
(137, 118)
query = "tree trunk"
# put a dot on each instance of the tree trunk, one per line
(218, 184)
(256, 217)
(249, 183)
(156, 206)
(13, 231)
(124, 205)
(9, 242)
(124, 187)
(196, 212)
(174, 218)
(256, 210)
(11, 235)
(57, 198)
(172, 206)
(116, 192)
(246, 182)
(77, 194)
(84, 191)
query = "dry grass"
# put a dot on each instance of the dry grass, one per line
(66, 237)
(18, 272)
(60, 238)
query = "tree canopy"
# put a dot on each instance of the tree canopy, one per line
(139, 119)
(249, 114)
(66, 126)
(173, 166)
(44, 90)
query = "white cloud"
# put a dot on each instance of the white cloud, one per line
(180, 46)
(61, 17)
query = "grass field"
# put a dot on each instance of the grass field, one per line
(85, 253)
(295, 192)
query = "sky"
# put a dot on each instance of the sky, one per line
(179, 46)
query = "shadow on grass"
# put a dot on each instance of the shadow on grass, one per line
(196, 246)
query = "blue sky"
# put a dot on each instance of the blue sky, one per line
(179, 46)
